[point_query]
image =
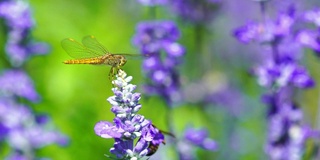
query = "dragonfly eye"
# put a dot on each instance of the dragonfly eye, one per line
(123, 61)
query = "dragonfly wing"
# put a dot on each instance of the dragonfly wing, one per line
(132, 56)
(76, 49)
(91, 43)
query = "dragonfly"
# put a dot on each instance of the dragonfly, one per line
(91, 51)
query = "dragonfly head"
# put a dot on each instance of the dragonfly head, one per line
(123, 61)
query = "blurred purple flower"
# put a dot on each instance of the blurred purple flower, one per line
(196, 11)
(313, 16)
(195, 138)
(17, 156)
(157, 40)
(3, 131)
(127, 124)
(310, 37)
(17, 83)
(152, 36)
(268, 31)
(23, 132)
(222, 97)
(287, 136)
(153, 2)
(20, 128)
(16, 13)
(282, 74)
(199, 137)
(18, 19)
(248, 32)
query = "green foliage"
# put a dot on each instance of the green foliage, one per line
(75, 95)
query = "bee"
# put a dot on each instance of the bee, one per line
(152, 147)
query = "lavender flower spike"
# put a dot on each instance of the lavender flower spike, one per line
(19, 22)
(127, 125)
(158, 40)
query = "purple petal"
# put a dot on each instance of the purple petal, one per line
(174, 49)
(106, 129)
(210, 144)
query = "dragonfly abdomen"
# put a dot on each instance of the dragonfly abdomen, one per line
(85, 61)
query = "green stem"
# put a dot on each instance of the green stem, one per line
(170, 124)
(153, 12)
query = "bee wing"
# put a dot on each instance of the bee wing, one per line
(77, 50)
(91, 43)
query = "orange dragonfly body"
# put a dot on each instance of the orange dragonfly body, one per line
(92, 52)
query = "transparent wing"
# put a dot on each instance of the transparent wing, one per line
(132, 56)
(91, 43)
(77, 50)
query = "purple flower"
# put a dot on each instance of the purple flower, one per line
(152, 36)
(153, 2)
(248, 32)
(17, 83)
(313, 16)
(310, 39)
(123, 149)
(157, 40)
(199, 137)
(18, 156)
(196, 11)
(266, 32)
(22, 130)
(283, 75)
(17, 16)
(3, 131)
(222, 98)
(195, 138)
(152, 134)
(16, 13)
(107, 130)
(127, 124)
(287, 136)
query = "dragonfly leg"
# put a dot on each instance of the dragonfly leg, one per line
(114, 71)
(119, 69)
(111, 74)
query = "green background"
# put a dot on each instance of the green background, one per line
(75, 95)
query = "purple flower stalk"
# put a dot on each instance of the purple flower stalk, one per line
(281, 73)
(25, 131)
(196, 11)
(128, 127)
(287, 136)
(157, 41)
(20, 128)
(19, 22)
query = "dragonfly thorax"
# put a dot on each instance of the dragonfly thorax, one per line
(114, 60)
